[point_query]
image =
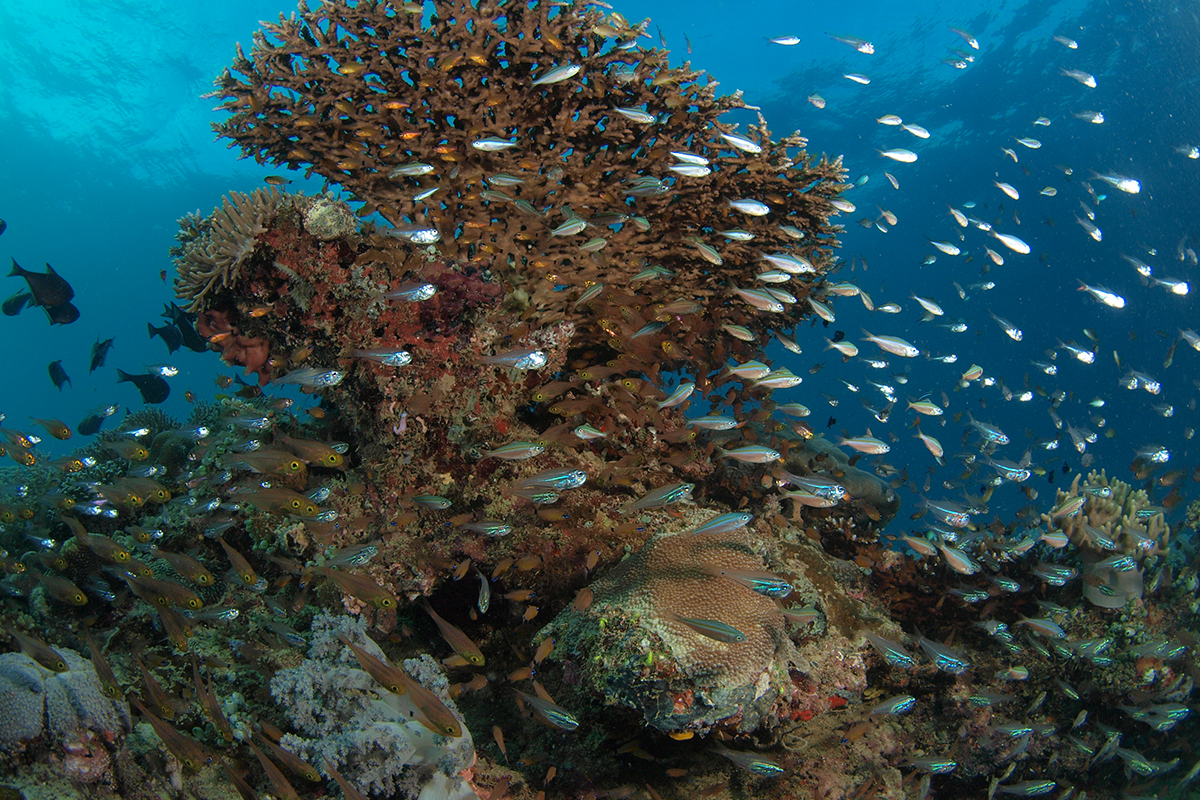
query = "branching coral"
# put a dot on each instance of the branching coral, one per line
(1115, 520)
(213, 250)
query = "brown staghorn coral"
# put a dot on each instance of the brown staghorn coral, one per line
(213, 249)
(631, 646)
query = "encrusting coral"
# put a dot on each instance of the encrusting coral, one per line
(67, 707)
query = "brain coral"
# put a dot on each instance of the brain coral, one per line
(641, 656)
(65, 705)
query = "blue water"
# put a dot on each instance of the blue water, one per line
(106, 142)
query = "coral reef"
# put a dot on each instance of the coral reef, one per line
(540, 436)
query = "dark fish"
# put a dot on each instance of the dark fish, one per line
(169, 334)
(90, 425)
(58, 374)
(153, 388)
(191, 340)
(838, 336)
(62, 314)
(14, 304)
(99, 353)
(831, 423)
(175, 313)
(185, 326)
(48, 289)
(3, 226)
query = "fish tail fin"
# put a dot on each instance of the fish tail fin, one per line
(123, 376)
(16, 272)
(867, 333)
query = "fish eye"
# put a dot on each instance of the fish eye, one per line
(294, 466)
(295, 504)
(193, 603)
(80, 599)
(628, 383)
(556, 410)
(387, 602)
(60, 665)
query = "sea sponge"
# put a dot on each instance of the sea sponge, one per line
(640, 655)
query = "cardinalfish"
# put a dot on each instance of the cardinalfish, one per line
(279, 500)
(549, 712)
(189, 752)
(39, 651)
(283, 788)
(295, 764)
(54, 427)
(209, 703)
(267, 461)
(109, 684)
(241, 566)
(435, 714)
(713, 629)
(459, 641)
(318, 453)
(359, 586)
(155, 693)
(101, 546)
(186, 566)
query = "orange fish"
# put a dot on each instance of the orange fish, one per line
(458, 640)
(189, 752)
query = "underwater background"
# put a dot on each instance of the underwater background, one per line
(108, 143)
